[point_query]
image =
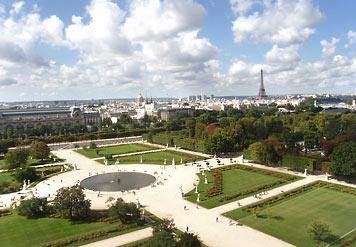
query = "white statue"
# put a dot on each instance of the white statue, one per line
(173, 162)
(141, 160)
(198, 198)
(206, 180)
(165, 161)
(106, 162)
(181, 160)
(196, 189)
(305, 172)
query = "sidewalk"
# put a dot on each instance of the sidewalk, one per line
(123, 239)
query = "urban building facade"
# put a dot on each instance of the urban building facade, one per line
(32, 118)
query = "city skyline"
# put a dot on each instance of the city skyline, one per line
(115, 49)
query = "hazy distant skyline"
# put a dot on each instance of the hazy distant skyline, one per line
(82, 49)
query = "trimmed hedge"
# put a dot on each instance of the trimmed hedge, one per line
(85, 237)
(299, 163)
(5, 212)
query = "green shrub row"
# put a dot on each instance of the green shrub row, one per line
(5, 212)
(86, 237)
(341, 188)
(217, 187)
(9, 187)
(299, 163)
(348, 242)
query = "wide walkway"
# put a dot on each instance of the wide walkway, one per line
(164, 198)
(165, 201)
(123, 239)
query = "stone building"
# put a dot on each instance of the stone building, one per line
(32, 118)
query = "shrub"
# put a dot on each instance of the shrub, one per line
(33, 208)
(125, 212)
(299, 163)
(27, 173)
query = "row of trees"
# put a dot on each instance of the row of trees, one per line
(267, 135)
(44, 130)
(17, 157)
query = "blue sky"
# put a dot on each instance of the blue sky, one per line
(117, 49)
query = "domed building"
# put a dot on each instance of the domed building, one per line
(140, 99)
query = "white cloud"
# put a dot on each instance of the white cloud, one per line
(156, 19)
(101, 35)
(7, 81)
(287, 57)
(329, 47)
(281, 21)
(17, 7)
(352, 37)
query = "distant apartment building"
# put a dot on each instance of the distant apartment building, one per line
(178, 112)
(32, 118)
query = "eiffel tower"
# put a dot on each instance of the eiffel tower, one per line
(262, 92)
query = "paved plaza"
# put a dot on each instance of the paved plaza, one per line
(164, 199)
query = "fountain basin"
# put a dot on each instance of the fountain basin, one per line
(118, 181)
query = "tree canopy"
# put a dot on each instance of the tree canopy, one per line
(16, 157)
(70, 203)
(343, 160)
(39, 150)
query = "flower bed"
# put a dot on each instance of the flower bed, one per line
(217, 187)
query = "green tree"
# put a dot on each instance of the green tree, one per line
(39, 150)
(190, 125)
(150, 137)
(189, 240)
(163, 234)
(165, 225)
(33, 208)
(70, 203)
(311, 140)
(219, 143)
(319, 231)
(26, 173)
(16, 157)
(343, 160)
(92, 145)
(125, 212)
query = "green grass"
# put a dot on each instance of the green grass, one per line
(156, 158)
(17, 231)
(112, 150)
(289, 219)
(6, 177)
(234, 180)
(32, 162)
(3, 164)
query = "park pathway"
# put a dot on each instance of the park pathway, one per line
(123, 239)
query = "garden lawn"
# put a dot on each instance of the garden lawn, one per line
(17, 231)
(31, 162)
(112, 150)
(289, 219)
(3, 164)
(234, 180)
(6, 176)
(156, 158)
